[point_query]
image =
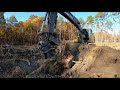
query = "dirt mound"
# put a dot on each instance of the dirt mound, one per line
(96, 62)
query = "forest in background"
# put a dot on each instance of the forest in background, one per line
(21, 33)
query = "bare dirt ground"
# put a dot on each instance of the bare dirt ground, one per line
(97, 62)
(85, 62)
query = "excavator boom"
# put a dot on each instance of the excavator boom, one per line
(72, 19)
(49, 39)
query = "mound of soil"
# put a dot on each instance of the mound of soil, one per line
(96, 62)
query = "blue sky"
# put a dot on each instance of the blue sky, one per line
(22, 16)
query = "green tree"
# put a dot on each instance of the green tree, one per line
(98, 23)
(99, 15)
(1, 15)
(82, 22)
(89, 21)
(2, 19)
(116, 19)
(12, 20)
(109, 24)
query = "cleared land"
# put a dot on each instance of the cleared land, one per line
(95, 61)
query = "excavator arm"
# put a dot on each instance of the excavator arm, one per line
(48, 40)
(72, 19)
(83, 32)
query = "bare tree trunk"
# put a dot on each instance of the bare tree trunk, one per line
(114, 36)
(96, 34)
(100, 37)
(105, 38)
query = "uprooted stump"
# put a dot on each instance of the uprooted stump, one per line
(47, 69)
(53, 68)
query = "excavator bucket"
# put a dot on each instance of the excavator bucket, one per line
(47, 43)
(54, 39)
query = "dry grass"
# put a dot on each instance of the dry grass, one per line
(115, 45)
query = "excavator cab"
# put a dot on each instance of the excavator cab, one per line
(89, 36)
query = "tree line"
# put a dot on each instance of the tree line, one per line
(14, 32)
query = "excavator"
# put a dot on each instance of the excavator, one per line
(48, 41)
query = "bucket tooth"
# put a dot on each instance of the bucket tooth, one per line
(53, 41)
(48, 42)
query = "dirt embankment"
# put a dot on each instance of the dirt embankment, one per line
(96, 62)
